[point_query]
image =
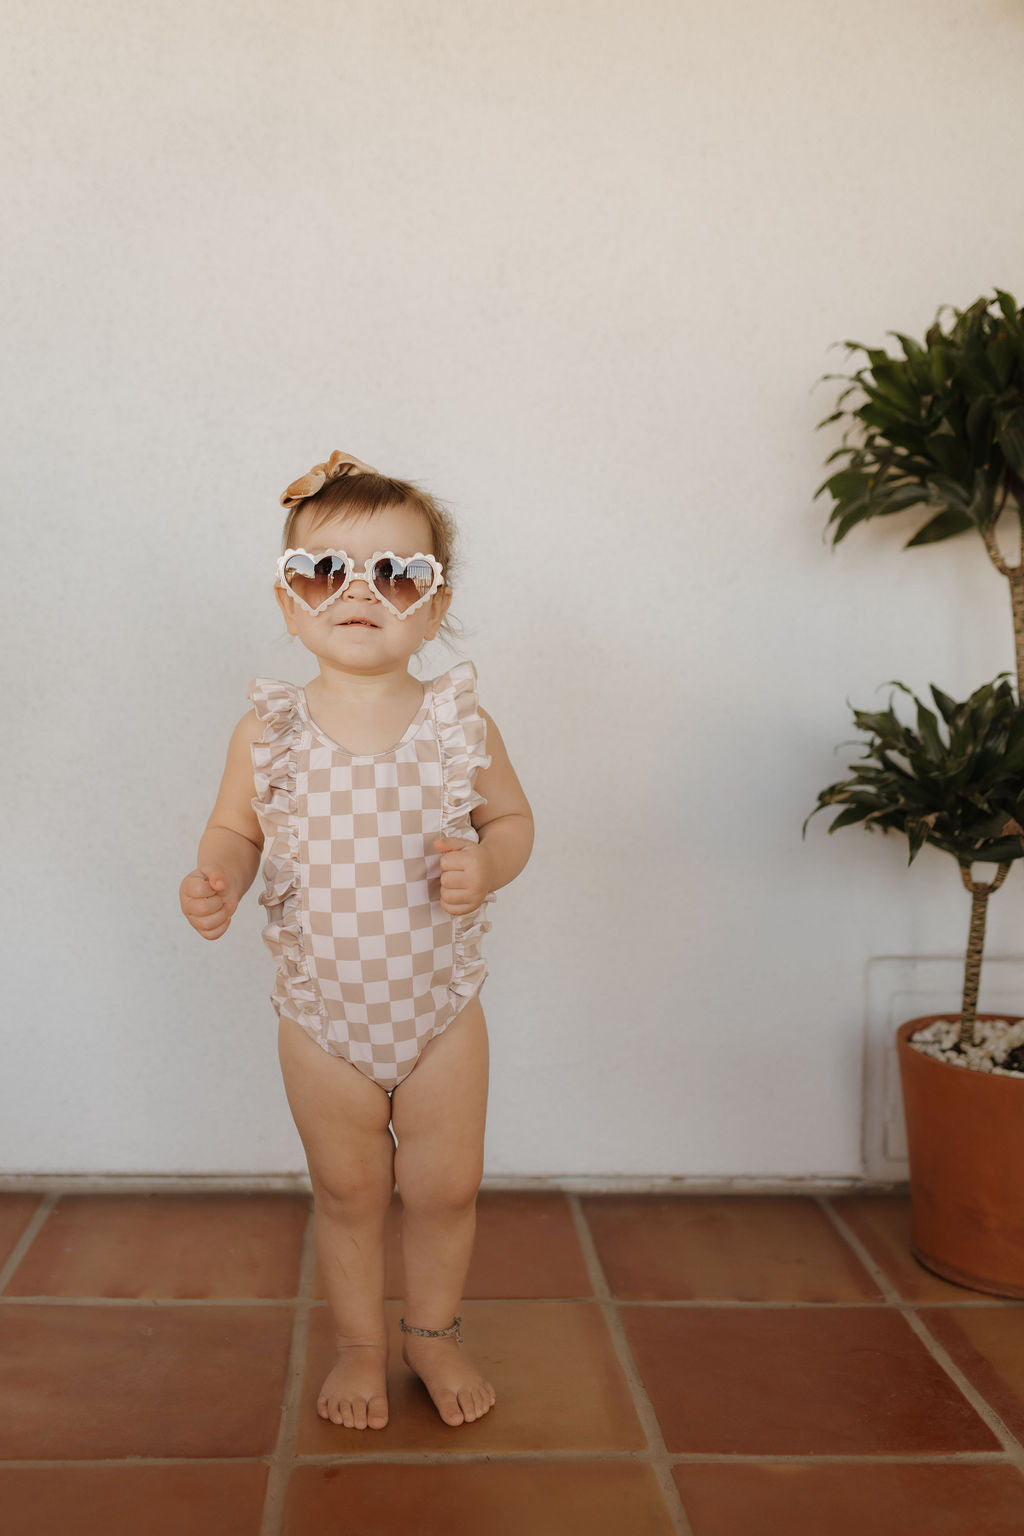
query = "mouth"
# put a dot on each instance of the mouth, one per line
(369, 624)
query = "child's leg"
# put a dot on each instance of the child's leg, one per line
(438, 1114)
(342, 1118)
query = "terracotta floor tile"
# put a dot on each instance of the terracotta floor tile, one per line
(526, 1245)
(113, 1501)
(16, 1211)
(798, 1381)
(551, 1363)
(105, 1381)
(736, 1247)
(869, 1499)
(194, 1247)
(882, 1222)
(591, 1498)
(987, 1344)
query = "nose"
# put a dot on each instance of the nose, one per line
(359, 587)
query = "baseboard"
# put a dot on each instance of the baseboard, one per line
(577, 1184)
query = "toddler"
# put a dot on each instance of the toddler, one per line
(387, 814)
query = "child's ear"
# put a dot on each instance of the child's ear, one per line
(287, 605)
(440, 603)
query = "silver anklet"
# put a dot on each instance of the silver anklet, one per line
(434, 1333)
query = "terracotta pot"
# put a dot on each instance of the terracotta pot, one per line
(965, 1136)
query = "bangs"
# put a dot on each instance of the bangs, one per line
(355, 496)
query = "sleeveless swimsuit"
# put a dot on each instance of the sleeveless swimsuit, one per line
(368, 961)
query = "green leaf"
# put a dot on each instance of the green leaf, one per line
(1009, 424)
(946, 525)
(847, 818)
(846, 483)
(891, 385)
(912, 349)
(947, 707)
(917, 836)
(949, 453)
(950, 492)
(1008, 304)
(979, 425)
(849, 520)
(928, 727)
(1001, 356)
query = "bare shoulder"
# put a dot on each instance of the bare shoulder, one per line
(495, 744)
(248, 729)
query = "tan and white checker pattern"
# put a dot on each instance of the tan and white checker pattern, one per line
(380, 944)
(379, 955)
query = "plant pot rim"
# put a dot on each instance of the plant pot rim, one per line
(922, 1060)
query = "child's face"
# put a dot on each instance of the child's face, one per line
(383, 642)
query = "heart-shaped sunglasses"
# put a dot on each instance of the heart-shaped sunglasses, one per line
(402, 582)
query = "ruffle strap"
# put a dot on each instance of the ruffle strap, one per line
(463, 735)
(274, 760)
(469, 968)
(462, 730)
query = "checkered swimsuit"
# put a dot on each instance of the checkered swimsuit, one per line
(368, 961)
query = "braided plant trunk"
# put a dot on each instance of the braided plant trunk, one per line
(1015, 576)
(1016, 579)
(980, 893)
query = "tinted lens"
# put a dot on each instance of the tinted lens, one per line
(403, 583)
(315, 580)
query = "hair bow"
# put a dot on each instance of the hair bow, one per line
(338, 465)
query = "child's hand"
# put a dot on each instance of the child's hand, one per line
(465, 874)
(206, 900)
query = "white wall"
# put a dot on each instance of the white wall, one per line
(576, 266)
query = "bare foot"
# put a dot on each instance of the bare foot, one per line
(459, 1391)
(355, 1392)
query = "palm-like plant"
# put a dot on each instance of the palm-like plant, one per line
(940, 427)
(962, 791)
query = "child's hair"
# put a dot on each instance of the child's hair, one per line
(361, 494)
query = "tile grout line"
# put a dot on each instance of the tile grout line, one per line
(660, 1461)
(1013, 1450)
(684, 1304)
(282, 1459)
(27, 1238)
(447, 1458)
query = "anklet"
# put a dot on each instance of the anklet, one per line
(434, 1333)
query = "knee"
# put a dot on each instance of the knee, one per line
(359, 1187)
(439, 1194)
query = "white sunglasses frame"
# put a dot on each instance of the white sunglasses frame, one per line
(354, 574)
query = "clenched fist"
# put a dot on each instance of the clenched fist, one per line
(206, 900)
(465, 874)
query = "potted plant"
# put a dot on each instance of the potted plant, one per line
(956, 781)
(942, 428)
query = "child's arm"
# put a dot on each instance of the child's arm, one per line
(229, 849)
(505, 828)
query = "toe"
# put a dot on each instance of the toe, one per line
(377, 1412)
(359, 1413)
(449, 1409)
(468, 1404)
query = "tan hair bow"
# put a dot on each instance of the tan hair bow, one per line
(338, 465)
